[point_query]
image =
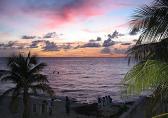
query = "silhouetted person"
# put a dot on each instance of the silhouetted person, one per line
(67, 105)
(110, 99)
(58, 72)
(99, 102)
(50, 106)
(103, 101)
(106, 100)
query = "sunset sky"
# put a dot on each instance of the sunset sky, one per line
(67, 28)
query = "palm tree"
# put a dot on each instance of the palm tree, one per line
(150, 51)
(25, 74)
(151, 21)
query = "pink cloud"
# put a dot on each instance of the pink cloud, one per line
(56, 14)
(77, 12)
(74, 13)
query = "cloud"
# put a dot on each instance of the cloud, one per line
(135, 40)
(34, 44)
(2, 45)
(134, 31)
(50, 35)
(106, 50)
(119, 51)
(13, 45)
(50, 46)
(78, 46)
(126, 43)
(117, 48)
(44, 15)
(62, 12)
(91, 43)
(10, 44)
(28, 37)
(115, 34)
(66, 47)
(45, 36)
(98, 39)
(53, 13)
(44, 45)
(108, 42)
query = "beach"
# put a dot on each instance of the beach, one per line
(40, 108)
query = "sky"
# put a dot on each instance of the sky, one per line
(67, 28)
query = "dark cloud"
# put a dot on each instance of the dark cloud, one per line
(28, 37)
(13, 45)
(45, 45)
(34, 44)
(91, 43)
(46, 36)
(77, 47)
(106, 50)
(98, 39)
(115, 34)
(125, 43)
(66, 47)
(119, 51)
(108, 42)
(2, 45)
(135, 40)
(10, 44)
(134, 31)
(50, 35)
(50, 46)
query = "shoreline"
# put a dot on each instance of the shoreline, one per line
(77, 110)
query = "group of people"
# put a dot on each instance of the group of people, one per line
(104, 101)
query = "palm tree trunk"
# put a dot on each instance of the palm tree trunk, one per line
(26, 104)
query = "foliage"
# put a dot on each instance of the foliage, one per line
(151, 50)
(25, 73)
(151, 21)
(165, 115)
(147, 75)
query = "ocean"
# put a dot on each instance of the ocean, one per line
(84, 79)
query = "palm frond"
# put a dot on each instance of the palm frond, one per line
(157, 51)
(37, 68)
(38, 78)
(31, 59)
(146, 75)
(43, 87)
(12, 77)
(151, 21)
(7, 92)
